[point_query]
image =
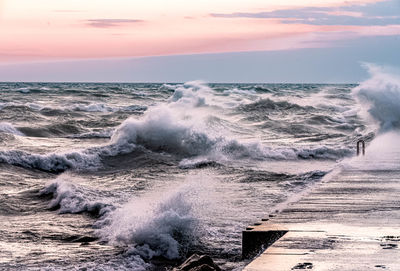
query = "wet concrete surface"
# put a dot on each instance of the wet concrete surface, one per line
(349, 222)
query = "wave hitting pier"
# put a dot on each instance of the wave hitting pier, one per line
(350, 222)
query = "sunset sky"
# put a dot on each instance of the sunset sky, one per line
(43, 36)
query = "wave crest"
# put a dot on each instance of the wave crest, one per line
(53, 162)
(70, 198)
(6, 127)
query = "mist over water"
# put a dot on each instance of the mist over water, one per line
(139, 176)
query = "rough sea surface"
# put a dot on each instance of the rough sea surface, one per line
(139, 176)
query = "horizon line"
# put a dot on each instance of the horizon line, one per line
(220, 83)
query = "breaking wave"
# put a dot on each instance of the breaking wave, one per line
(6, 127)
(72, 198)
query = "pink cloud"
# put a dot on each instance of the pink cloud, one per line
(266, 37)
(123, 37)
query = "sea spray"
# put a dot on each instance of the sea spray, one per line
(156, 225)
(191, 94)
(380, 97)
(197, 94)
(310, 181)
(382, 154)
(378, 100)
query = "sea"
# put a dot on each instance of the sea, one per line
(139, 176)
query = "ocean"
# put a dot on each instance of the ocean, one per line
(139, 176)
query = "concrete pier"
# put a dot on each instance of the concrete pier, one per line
(260, 236)
(350, 222)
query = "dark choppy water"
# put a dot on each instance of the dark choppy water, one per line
(138, 176)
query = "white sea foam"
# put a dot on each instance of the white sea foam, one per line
(381, 154)
(6, 127)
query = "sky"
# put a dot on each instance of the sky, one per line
(179, 40)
